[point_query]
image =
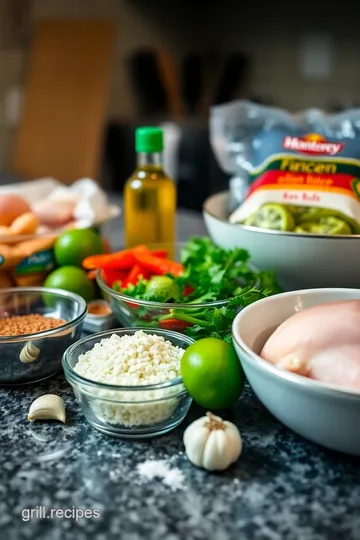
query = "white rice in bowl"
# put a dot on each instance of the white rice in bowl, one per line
(137, 360)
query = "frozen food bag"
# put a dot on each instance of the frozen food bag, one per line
(301, 171)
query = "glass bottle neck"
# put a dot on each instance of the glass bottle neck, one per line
(149, 160)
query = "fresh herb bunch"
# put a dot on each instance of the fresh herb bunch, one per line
(211, 274)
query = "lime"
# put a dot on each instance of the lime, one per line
(74, 245)
(315, 214)
(73, 279)
(326, 225)
(356, 187)
(295, 210)
(162, 289)
(212, 373)
(272, 216)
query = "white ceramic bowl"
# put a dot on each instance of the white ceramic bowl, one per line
(323, 413)
(301, 261)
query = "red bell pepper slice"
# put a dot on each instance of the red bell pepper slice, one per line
(158, 266)
(110, 276)
(162, 253)
(116, 261)
(174, 324)
(92, 274)
(134, 275)
(188, 290)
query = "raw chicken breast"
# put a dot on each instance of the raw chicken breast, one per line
(322, 342)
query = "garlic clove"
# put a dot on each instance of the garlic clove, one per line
(198, 443)
(47, 407)
(217, 453)
(29, 353)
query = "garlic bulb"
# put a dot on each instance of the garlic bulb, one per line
(212, 443)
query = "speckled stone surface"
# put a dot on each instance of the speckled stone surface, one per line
(281, 488)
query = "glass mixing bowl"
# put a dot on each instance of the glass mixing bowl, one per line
(142, 313)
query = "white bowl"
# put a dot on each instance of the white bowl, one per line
(325, 414)
(301, 261)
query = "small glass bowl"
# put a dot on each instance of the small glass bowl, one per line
(132, 412)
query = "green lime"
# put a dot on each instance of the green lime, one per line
(356, 186)
(73, 279)
(212, 373)
(294, 209)
(272, 216)
(326, 225)
(297, 212)
(162, 289)
(74, 245)
(315, 214)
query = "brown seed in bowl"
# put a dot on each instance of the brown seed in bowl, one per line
(28, 324)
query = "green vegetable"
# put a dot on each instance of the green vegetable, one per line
(162, 289)
(211, 273)
(216, 322)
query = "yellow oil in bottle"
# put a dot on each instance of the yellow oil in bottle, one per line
(150, 195)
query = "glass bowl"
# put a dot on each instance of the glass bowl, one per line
(132, 412)
(142, 313)
(32, 357)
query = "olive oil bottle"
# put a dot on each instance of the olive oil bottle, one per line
(150, 195)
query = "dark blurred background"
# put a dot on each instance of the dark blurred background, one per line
(171, 60)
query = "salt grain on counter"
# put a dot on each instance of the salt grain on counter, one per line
(171, 477)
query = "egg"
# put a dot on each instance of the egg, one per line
(11, 207)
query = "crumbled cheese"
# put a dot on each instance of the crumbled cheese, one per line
(133, 360)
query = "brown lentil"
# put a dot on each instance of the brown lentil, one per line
(20, 325)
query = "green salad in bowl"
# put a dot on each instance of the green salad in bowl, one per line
(196, 288)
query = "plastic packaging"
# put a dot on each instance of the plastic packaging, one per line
(309, 159)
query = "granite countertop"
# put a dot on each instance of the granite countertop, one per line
(282, 487)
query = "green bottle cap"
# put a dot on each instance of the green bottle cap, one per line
(149, 140)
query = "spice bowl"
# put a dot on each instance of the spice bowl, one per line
(36, 355)
(130, 412)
